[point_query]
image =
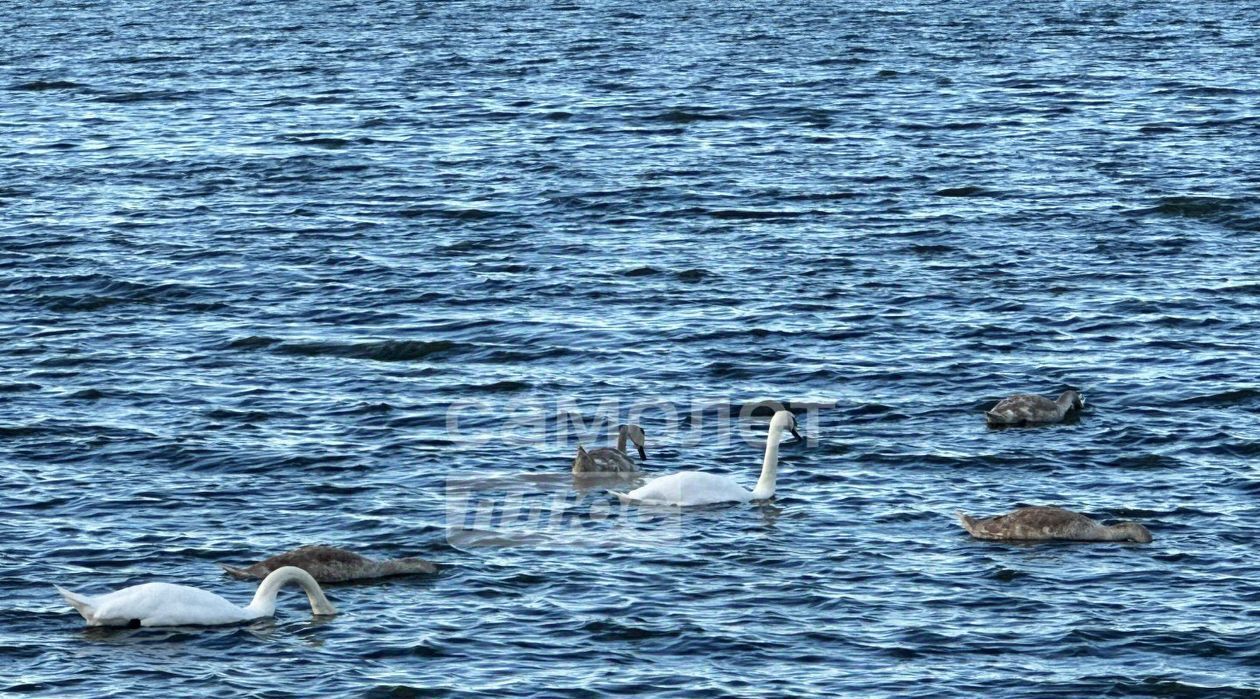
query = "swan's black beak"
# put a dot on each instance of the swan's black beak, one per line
(642, 454)
(796, 434)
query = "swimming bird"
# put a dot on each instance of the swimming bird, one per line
(329, 564)
(1026, 409)
(699, 488)
(164, 604)
(1051, 524)
(609, 460)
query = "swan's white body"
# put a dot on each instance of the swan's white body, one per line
(691, 488)
(164, 604)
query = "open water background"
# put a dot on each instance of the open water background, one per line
(251, 253)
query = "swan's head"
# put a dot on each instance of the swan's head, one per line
(1072, 399)
(785, 420)
(1134, 532)
(635, 434)
(583, 463)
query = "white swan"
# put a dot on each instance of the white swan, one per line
(164, 604)
(698, 488)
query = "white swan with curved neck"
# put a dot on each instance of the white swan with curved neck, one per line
(164, 604)
(699, 488)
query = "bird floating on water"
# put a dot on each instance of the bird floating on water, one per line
(329, 564)
(1051, 524)
(608, 459)
(699, 488)
(164, 604)
(1027, 409)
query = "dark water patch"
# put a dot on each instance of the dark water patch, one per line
(873, 412)
(248, 416)
(366, 409)
(693, 275)
(1145, 461)
(141, 96)
(1195, 207)
(324, 142)
(1241, 396)
(469, 214)
(956, 125)
(87, 394)
(503, 387)
(45, 85)
(819, 196)
(690, 115)
(380, 351)
(932, 249)
(754, 215)
(252, 342)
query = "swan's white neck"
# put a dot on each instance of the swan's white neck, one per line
(769, 466)
(264, 603)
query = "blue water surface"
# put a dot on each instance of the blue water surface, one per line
(279, 273)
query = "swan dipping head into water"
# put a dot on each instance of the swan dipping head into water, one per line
(164, 604)
(608, 459)
(1027, 409)
(698, 488)
(1050, 524)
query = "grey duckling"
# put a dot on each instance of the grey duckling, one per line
(329, 564)
(608, 459)
(1051, 524)
(1034, 410)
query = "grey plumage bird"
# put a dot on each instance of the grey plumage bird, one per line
(1027, 409)
(1051, 524)
(609, 459)
(329, 564)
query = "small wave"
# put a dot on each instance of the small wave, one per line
(966, 191)
(874, 412)
(1145, 461)
(821, 196)
(384, 351)
(1195, 207)
(503, 387)
(248, 416)
(753, 214)
(25, 431)
(143, 96)
(958, 125)
(470, 214)
(693, 275)
(689, 115)
(325, 142)
(1240, 396)
(45, 85)
(919, 249)
(86, 394)
(365, 409)
(251, 342)
(607, 630)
